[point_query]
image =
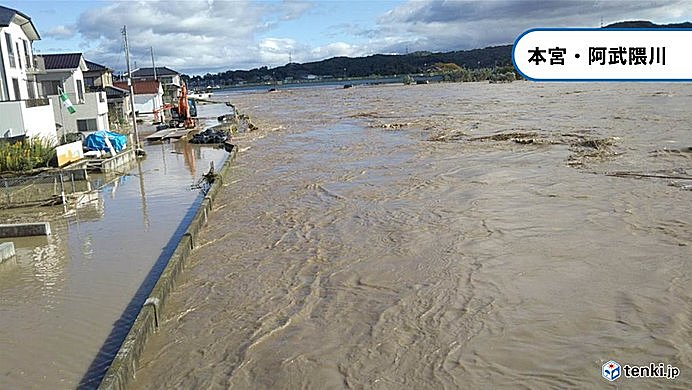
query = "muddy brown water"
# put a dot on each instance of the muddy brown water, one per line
(67, 300)
(442, 236)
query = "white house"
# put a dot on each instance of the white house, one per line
(22, 112)
(148, 96)
(66, 72)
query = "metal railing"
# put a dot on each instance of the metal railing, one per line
(40, 190)
(37, 66)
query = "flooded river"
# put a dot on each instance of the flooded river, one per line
(429, 236)
(443, 236)
(67, 300)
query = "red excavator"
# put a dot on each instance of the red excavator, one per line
(185, 113)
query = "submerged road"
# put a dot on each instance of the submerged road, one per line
(442, 236)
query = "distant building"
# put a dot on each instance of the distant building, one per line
(23, 113)
(170, 80)
(97, 76)
(148, 96)
(65, 72)
(100, 78)
(119, 107)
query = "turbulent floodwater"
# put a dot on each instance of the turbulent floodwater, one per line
(443, 236)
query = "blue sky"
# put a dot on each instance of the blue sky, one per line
(199, 36)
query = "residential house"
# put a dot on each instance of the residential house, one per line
(119, 107)
(148, 96)
(65, 72)
(97, 76)
(100, 78)
(22, 112)
(170, 80)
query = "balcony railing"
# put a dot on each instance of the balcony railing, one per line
(37, 67)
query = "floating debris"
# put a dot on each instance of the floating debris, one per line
(209, 136)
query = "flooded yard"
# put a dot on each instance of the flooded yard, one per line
(67, 300)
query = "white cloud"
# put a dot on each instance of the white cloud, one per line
(191, 36)
(454, 25)
(61, 32)
(197, 36)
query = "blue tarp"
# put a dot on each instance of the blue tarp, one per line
(96, 141)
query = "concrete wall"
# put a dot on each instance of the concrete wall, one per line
(40, 122)
(145, 103)
(124, 365)
(17, 119)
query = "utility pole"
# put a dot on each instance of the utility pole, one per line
(132, 91)
(153, 64)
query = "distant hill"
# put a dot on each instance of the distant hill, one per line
(374, 65)
(384, 64)
(647, 24)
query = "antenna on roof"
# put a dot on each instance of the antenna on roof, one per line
(601, 21)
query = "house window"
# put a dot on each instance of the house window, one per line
(15, 85)
(10, 50)
(89, 81)
(19, 56)
(87, 124)
(51, 87)
(80, 91)
(4, 93)
(27, 54)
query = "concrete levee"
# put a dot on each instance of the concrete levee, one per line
(123, 367)
(24, 229)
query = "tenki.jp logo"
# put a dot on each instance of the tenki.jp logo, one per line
(611, 370)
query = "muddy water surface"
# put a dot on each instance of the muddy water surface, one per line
(442, 236)
(68, 300)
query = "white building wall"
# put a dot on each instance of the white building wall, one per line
(16, 119)
(95, 106)
(39, 122)
(17, 72)
(145, 103)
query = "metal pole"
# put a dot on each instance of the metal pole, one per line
(153, 64)
(132, 89)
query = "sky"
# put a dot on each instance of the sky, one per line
(208, 36)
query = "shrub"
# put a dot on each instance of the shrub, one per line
(25, 154)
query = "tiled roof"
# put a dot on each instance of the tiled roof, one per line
(92, 66)
(142, 87)
(115, 92)
(149, 72)
(62, 61)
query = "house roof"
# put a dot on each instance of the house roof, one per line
(8, 15)
(149, 72)
(62, 61)
(92, 66)
(141, 87)
(115, 92)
